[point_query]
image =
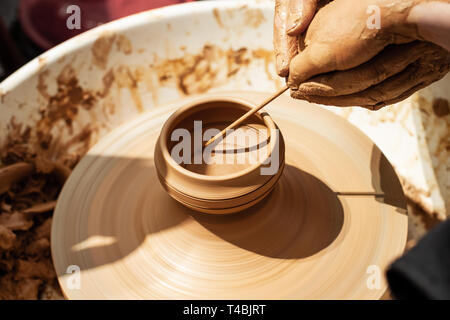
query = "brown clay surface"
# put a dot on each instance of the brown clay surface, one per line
(231, 145)
(233, 185)
(338, 209)
(254, 129)
(28, 191)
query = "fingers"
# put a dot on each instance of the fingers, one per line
(286, 47)
(389, 62)
(300, 14)
(314, 59)
(399, 98)
(336, 39)
(395, 89)
(323, 57)
(371, 98)
(417, 75)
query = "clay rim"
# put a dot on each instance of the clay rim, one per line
(274, 179)
(175, 116)
(251, 202)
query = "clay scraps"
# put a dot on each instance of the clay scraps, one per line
(28, 193)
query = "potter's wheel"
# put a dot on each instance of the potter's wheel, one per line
(336, 218)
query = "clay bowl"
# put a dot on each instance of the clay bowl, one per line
(231, 174)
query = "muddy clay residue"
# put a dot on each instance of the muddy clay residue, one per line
(268, 57)
(42, 85)
(190, 74)
(421, 210)
(126, 78)
(123, 44)
(101, 49)
(216, 14)
(2, 96)
(199, 73)
(103, 45)
(34, 165)
(254, 18)
(29, 187)
(26, 269)
(62, 108)
(441, 107)
(428, 221)
(213, 66)
(435, 118)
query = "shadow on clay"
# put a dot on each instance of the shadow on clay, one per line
(137, 177)
(301, 217)
(385, 182)
(386, 185)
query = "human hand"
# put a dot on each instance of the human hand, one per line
(292, 17)
(345, 63)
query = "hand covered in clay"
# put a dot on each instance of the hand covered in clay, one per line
(292, 17)
(345, 59)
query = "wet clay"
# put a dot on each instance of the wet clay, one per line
(337, 209)
(34, 165)
(348, 64)
(28, 192)
(225, 155)
(238, 143)
(228, 175)
(285, 46)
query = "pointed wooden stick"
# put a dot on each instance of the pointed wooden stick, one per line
(247, 115)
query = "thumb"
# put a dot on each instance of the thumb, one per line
(300, 14)
(323, 57)
(315, 59)
(285, 46)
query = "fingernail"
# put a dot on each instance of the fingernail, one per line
(293, 86)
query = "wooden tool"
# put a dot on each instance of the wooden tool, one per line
(247, 115)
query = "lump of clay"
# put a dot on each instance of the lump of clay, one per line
(16, 221)
(7, 238)
(12, 174)
(31, 269)
(28, 193)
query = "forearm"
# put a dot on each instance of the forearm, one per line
(433, 22)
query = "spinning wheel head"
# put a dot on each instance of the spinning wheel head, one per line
(337, 212)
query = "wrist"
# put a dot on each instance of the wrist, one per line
(432, 21)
